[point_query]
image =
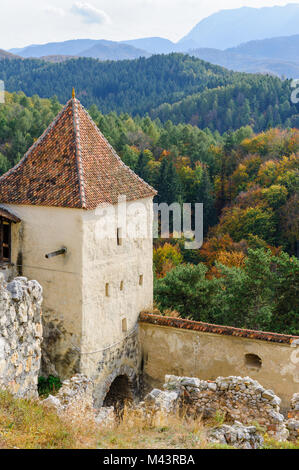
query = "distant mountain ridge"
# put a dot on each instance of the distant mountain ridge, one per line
(97, 49)
(286, 47)
(229, 28)
(154, 45)
(210, 40)
(278, 56)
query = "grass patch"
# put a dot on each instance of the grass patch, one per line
(272, 444)
(28, 424)
(25, 424)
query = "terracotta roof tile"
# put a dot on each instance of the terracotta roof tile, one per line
(71, 165)
(146, 317)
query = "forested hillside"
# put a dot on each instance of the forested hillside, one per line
(246, 273)
(135, 86)
(259, 101)
(172, 87)
(22, 120)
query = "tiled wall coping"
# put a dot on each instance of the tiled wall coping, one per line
(146, 317)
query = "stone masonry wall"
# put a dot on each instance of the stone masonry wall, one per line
(293, 415)
(121, 359)
(20, 336)
(240, 399)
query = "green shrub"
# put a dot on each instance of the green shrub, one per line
(47, 386)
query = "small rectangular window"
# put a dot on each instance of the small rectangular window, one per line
(124, 325)
(107, 290)
(119, 237)
(121, 285)
(141, 280)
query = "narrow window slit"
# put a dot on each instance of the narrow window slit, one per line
(124, 325)
(119, 237)
(107, 290)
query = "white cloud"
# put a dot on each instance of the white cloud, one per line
(89, 13)
(55, 10)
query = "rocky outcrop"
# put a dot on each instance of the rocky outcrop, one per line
(292, 426)
(75, 399)
(237, 435)
(75, 393)
(293, 422)
(20, 336)
(166, 401)
(294, 411)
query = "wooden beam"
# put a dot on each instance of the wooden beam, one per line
(8, 215)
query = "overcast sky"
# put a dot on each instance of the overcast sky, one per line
(24, 22)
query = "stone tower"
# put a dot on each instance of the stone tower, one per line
(79, 221)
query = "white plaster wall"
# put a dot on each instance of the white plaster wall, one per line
(106, 262)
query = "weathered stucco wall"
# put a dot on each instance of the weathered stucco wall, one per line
(109, 343)
(43, 230)
(184, 350)
(20, 336)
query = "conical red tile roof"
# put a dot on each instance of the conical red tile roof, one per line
(71, 165)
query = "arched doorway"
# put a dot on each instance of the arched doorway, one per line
(119, 394)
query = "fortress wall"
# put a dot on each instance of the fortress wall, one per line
(20, 336)
(186, 348)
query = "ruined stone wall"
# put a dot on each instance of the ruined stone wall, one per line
(235, 401)
(186, 348)
(236, 398)
(20, 336)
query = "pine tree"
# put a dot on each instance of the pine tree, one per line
(168, 184)
(204, 194)
(142, 168)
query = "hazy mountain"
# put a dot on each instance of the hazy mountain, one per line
(279, 56)
(243, 34)
(98, 49)
(72, 47)
(285, 47)
(229, 28)
(276, 56)
(109, 50)
(244, 63)
(154, 45)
